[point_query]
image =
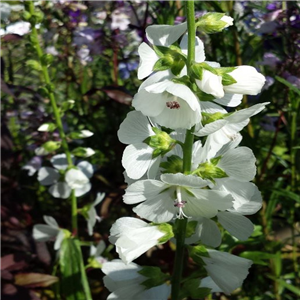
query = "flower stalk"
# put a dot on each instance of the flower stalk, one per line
(44, 69)
(181, 224)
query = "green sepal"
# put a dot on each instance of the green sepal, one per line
(51, 146)
(84, 210)
(161, 142)
(163, 63)
(215, 160)
(155, 277)
(170, 58)
(167, 229)
(190, 228)
(185, 80)
(173, 164)
(197, 252)
(223, 70)
(209, 118)
(228, 79)
(192, 289)
(208, 170)
(93, 263)
(197, 70)
(75, 135)
(203, 96)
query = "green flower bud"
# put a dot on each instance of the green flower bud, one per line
(161, 142)
(213, 22)
(51, 146)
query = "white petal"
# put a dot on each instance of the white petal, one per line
(165, 35)
(47, 175)
(59, 240)
(41, 151)
(99, 198)
(86, 168)
(59, 161)
(60, 190)
(86, 133)
(137, 159)
(227, 271)
(207, 232)
(211, 84)
(157, 77)
(183, 180)
(247, 198)
(148, 103)
(76, 179)
(249, 81)
(43, 233)
(118, 271)
(135, 128)
(211, 127)
(199, 49)
(211, 107)
(246, 113)
(99, 249)
(148, 59)
(236, 224)
(230, 100)
(143, 190)
(50, 221)
(83, 189)
(207, 282)
(239, 163)
(158, 210)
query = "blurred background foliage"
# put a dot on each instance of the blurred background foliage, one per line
(94, 59)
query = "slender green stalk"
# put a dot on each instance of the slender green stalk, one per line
(35, 42)
(187, 161)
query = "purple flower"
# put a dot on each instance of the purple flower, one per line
(126, 67)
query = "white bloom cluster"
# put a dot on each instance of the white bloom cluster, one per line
(169, 102)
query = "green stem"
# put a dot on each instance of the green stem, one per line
(35, 42)
(181, 224)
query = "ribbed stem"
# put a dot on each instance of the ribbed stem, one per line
(187, 161)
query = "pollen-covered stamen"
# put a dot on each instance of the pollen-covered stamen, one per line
(180, 204)
(173, 104)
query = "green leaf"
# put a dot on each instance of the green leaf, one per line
(287, 194)
(192, 289)
(155, 275)
(74, 281)
(288, 84)
(258, 257)
(290, 287)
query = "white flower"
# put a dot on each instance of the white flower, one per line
(249, 81)
(92, 216)
(85, 133)
(211, 84)
(176, 194)
(223, 130)
(226, 270)
(51, 231)
(95, 252)
(33, 165)
(165, 35)
(133, 237)
(20, 28)
(238, 163)
(124, 282)
(167, 102)
(247, 201)
(137, 157)
(77, 179)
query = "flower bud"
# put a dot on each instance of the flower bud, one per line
(214, 22)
